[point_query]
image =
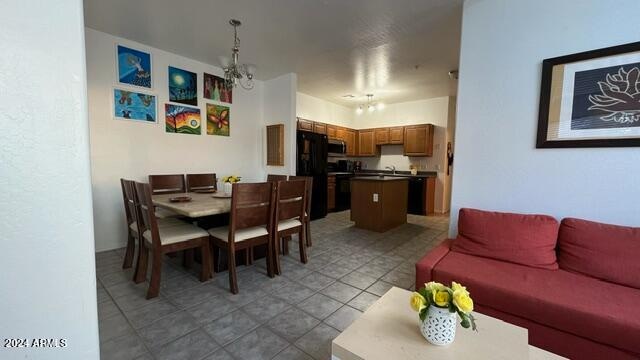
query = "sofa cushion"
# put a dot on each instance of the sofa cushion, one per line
(603, 251)
(577, 304)
(517, 238)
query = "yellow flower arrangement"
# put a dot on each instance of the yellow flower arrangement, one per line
(231, 179)
(455, 298)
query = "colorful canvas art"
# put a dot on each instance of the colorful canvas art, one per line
(132, 105)
(182, 119)
(183, 86)
(134, 67)
(218, 120)
(214, 89)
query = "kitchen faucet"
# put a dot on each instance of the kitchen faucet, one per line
(392, 168)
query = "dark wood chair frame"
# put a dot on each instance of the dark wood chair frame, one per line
(130, 213)
(307, 214)
(290, 204)
(201, 182)
(147, 221)
(276, 178)
(167, 184)
(252, 204)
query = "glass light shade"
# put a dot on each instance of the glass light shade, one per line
(371, 108)
(380, 106)
(250, 69)
(224, 61)
(359, 110)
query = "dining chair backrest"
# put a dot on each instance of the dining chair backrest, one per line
(273, 177)
(127, 196)
(290, 200)
(252, 204)
(167, 184)
(145, 213)
(309, 189)
(201, 182)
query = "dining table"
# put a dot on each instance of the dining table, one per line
(200, 205)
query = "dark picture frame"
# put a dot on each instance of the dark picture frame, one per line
(605, 112)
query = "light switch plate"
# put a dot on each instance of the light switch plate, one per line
(375, 197)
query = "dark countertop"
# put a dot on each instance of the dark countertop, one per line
(405, 174)
(381, 178)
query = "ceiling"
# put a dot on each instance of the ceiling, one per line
(398, 50)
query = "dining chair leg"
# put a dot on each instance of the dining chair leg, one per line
(250, 250)
(307, 232)
(276, 254)
(269, 258)
(128, 255)
(246, 257)
(142, 264)
(303, 246)
(285, 245)
(205, 273)
(156, 270)
(214, 257)
(233, 280)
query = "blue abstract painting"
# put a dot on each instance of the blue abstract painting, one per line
(183, 86)
(134, 106)
(134, 67)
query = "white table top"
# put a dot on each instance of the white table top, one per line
(200, 204)
(389, 330)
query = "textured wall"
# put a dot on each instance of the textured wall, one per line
(46, 229)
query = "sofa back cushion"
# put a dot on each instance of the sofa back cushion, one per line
(518, 238)
(603, 251)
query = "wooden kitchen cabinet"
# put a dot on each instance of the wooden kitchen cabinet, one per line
(367, 143)
(331, 193)
(319, 128)
(396, 135)
(382, 136)
(349, 138)
(418, 140)
(332, 132)
(305, 125)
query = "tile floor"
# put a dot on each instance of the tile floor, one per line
(293, 316)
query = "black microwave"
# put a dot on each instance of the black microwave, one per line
(337, 148)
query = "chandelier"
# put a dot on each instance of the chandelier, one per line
(235, 73)
(370, 105)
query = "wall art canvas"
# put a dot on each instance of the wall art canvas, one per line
(134, 67)
(183, 86)
(218, 120)
(182, 119)
(133, 105)
(591, 99)
(214, 89)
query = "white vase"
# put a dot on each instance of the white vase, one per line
(439, 327)
(228, 187)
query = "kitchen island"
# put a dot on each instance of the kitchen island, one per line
(379, 203)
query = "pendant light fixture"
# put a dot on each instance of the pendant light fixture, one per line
(234, 72)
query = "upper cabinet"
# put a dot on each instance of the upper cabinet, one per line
(332, 132)
(367, 143)
(349, 138)
(319, 128)
(382, 136)
(418, 140)
(306, 125)
(396, 135)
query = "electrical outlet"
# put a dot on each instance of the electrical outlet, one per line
(375, 197)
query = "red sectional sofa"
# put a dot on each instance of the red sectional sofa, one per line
(575, 285)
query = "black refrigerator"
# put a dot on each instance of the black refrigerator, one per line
(312, 161)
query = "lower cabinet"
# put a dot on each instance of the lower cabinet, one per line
(331, 193)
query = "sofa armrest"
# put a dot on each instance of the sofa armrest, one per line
(425, 266)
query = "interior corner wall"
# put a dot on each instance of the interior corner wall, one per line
(279, 104)
(48, 277)
(497, 166)
(133, 150)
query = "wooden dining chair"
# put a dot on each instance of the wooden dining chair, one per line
(250, 224)
(273, 177)
(289, 215)
(307, 206)
(201, 182)
(167, 184)
(162, 240)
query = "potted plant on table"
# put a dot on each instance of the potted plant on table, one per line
(438, 307)
(229, 181)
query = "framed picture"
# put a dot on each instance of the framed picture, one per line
(214, 89)
(131, 105)
(133, 66)
(218, 120)
(183, 86)
(182, 119)
(591, 99)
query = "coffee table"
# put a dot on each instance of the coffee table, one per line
(389, 330)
